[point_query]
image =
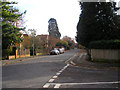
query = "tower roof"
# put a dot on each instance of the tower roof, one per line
(52, 20)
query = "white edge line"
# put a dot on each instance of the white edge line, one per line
(86, 83)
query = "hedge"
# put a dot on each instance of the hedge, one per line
(105, 44)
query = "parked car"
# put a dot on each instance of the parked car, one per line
(54, 52)
(61, 50)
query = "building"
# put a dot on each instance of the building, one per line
(53, 28)
(96, 0)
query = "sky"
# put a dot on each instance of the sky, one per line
(66, 13)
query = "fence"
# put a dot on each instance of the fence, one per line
(42, 51)
(20, 53)
(105, 54)
(27, 52)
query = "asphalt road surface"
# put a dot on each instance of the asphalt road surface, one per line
(52, 72)
(33, 73)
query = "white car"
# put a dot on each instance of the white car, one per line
(61, 50)
(54, 52)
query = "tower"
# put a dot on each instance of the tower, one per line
(53, 28)
(119, 9)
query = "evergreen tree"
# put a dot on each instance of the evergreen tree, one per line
(96, 22)
(10, 33)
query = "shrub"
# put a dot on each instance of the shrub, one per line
(105, 44)
(5, 53)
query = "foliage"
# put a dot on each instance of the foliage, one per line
(97, 22)
(26, 42)
(105, 44)
(10, 32)
(62, 43)
(40, 41)
(70, 41)
(52, 42)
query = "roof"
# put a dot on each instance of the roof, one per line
(43, 35)
(25, 34)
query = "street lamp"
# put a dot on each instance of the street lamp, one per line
(33, 32)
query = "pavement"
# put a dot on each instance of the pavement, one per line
(12, 61)
(81, 60)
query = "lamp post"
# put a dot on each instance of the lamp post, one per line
(33, 32)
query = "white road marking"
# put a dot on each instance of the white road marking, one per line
(72, 62)
(115, 82)
(55, 77)
(51, 80)
(81, 55)
(62, 69)
(57, 85)
(67, 65)
(46, 85)
(58, 73)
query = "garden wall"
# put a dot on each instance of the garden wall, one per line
(105, 54)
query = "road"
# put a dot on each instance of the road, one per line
(52, 72)
(34, 73)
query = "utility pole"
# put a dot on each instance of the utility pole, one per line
(33, 32)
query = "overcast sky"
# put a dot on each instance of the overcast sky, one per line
(66, 12)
